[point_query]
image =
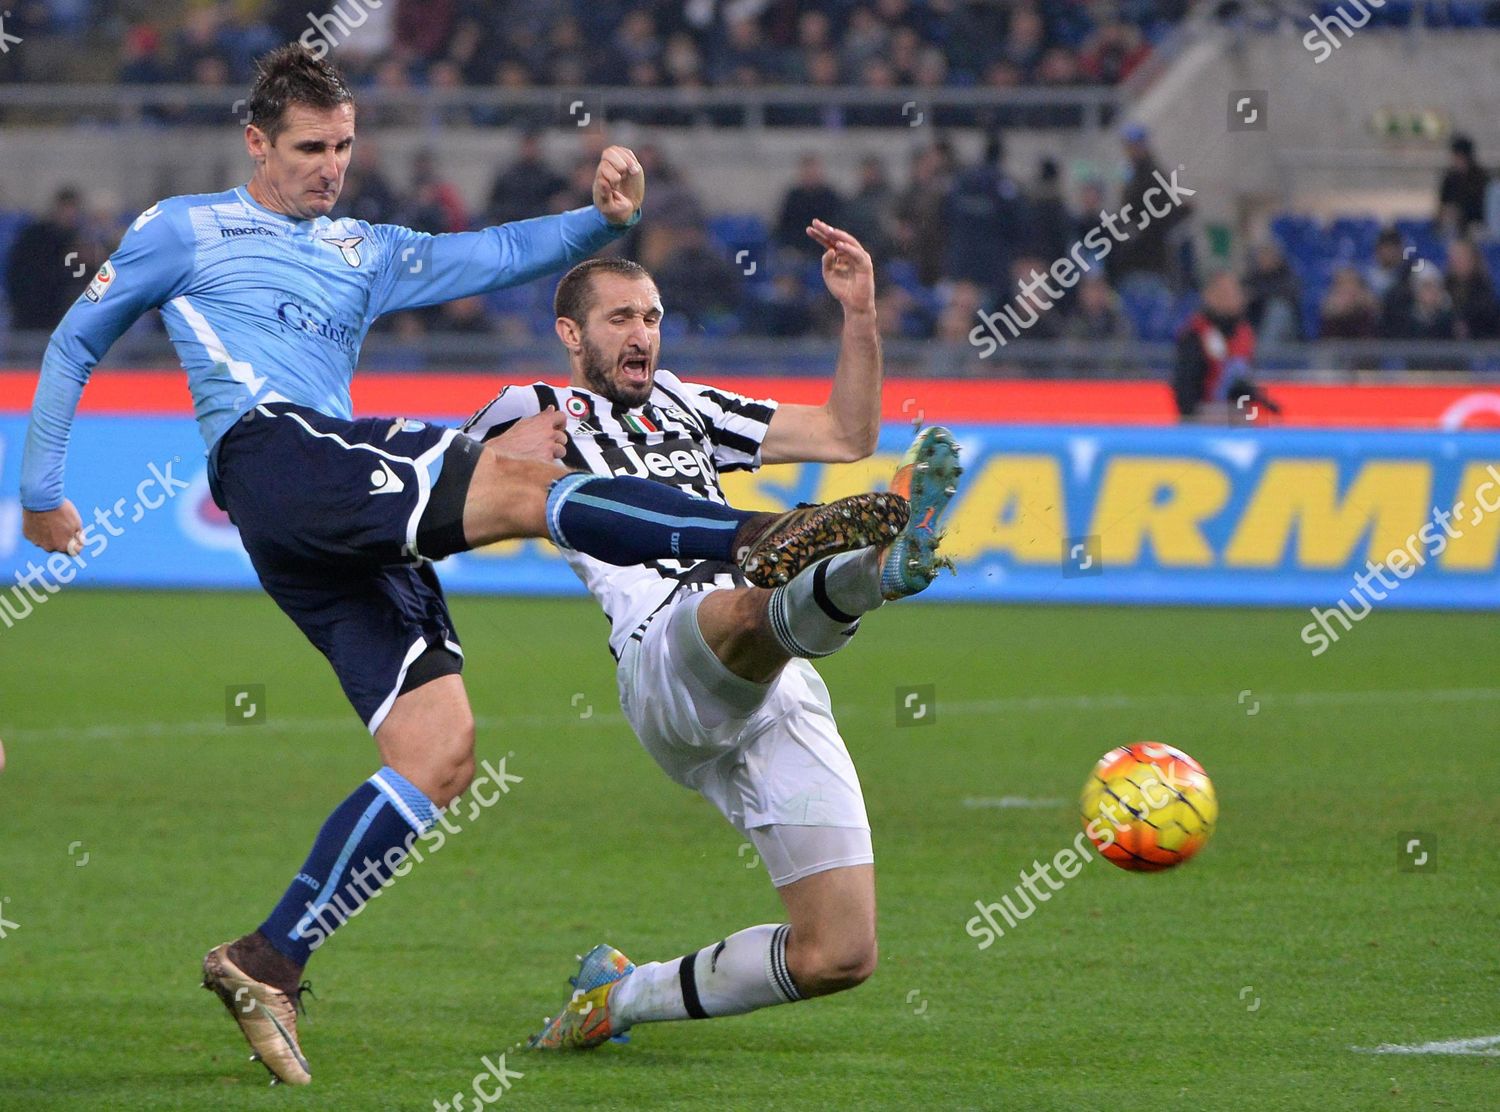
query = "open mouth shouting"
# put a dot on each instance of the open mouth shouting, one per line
(635, 368)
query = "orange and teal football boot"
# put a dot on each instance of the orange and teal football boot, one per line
(927, 478)
(585, 1021)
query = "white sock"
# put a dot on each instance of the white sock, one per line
(818, 611)
(745, 972)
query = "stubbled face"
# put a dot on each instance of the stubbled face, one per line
(302, 173)
(615, 350)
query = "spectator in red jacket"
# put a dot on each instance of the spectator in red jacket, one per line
(1215, 350)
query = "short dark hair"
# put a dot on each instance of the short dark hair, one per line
(575, 293)
(291, 75)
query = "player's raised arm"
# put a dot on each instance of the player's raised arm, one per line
(847, 426)
(424, 269)
(151, 265)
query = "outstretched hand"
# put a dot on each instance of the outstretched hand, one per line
(848, 271)
(619, 184)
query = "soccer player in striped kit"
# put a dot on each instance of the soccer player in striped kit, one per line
(714, 672)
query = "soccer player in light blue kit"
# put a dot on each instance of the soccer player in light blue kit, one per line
(267, 301)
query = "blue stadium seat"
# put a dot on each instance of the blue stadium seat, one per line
(1352, 238)
(735, 232)
(1296, 233)
(1420, 232)
(11, 224)
(1312, 308)
(1151, 308)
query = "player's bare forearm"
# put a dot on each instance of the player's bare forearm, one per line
(854, 404)
(847, 427)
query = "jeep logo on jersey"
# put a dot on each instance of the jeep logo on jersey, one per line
(670, 461)
(348, 247)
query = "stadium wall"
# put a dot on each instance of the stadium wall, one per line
(1081, 513)
(1317, 147)
(133, 166)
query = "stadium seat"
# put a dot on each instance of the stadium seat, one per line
(1295, 232)
(735, 232)
(11, 224)
(1352, 238)
(1151, 307)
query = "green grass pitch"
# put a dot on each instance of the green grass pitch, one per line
(140, 829)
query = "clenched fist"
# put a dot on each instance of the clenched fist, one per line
(619, 184)
(56, 530)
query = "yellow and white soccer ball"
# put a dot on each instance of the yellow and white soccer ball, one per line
(1148, 806)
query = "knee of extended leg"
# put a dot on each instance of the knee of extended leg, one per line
(458, 759)
(447, 764)
(847, 965)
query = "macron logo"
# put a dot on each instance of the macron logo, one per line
(146, 217)
(385, 481)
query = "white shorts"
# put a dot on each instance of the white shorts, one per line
(769, 757)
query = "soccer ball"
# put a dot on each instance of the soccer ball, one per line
(1148, 806)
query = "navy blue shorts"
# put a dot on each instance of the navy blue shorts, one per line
(339, 518)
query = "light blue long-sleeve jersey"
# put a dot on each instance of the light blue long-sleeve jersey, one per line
(264, 307)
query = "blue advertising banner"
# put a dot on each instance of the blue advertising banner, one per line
(1045, 514)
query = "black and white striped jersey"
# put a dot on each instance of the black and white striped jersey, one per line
(685, 435)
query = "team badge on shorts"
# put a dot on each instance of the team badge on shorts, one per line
(580, 409)
(404, 424)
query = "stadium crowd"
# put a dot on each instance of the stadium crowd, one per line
(726, 274)
(667, 43)
(734, 273)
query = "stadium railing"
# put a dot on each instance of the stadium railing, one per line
(1350, 362)
(1089, 107)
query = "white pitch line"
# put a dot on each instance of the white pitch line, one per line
(216, 728)
(609, 714)
(1486, 1046)
(1012, 802)
(1048, 703)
